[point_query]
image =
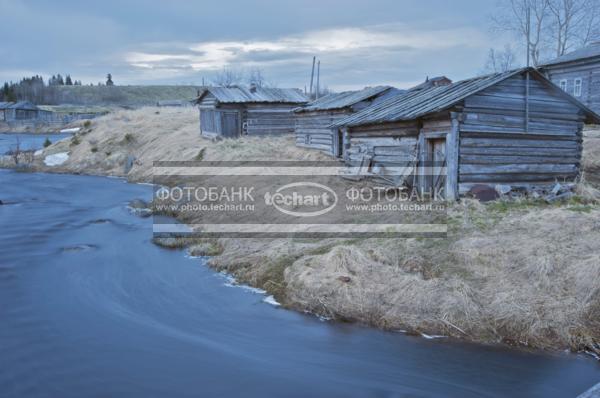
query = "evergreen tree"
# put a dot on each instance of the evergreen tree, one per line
(109, 81)
(68, 81)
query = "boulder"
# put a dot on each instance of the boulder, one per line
(483, 193)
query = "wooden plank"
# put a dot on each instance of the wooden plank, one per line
(487, 159)
(518, 168)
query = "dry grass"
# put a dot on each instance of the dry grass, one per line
(153, 134)
(591, 155)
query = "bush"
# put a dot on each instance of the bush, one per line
(128, 138)
(75, 141)
(94, 149)
(87, 123)
(47, 143)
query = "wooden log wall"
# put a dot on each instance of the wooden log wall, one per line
(388, 145)
(497, 147)
(586, 70)
(268, 119)
(313, 131)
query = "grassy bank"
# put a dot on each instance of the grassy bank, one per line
(520, 272)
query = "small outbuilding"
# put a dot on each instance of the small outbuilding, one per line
(3, 107)
(514, 128)
(20, 111)
(235, 111)
(313, 121)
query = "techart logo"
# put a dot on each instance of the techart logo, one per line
(302, 199)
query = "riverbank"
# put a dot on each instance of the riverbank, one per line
(520, 272)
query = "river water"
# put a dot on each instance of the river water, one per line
(89, 307)
(8, 142)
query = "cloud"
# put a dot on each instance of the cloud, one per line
(371, 48)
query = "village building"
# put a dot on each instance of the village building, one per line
(578, 73)
(314, 120)
(235, 111)
(514, 129)
(20, 111)
(432, 82)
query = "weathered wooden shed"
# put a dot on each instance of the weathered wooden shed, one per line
(578, 73)
(515, 128)
(3, 107)
(235, 111)
(313, 121)
(23, 110)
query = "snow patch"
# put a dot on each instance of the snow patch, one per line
(57, 159)
(38, 152)
(271, 300)
(71, 130)
(433, 336)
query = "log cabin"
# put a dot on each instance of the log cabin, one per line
(578, 73)
(313, 120)
(514, 128)
(235, 111)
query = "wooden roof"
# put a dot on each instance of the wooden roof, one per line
(345, 99)
(591, 51)
(413, 105)
(239, 95)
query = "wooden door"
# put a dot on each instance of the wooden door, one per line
(437, 160)
(229, 124)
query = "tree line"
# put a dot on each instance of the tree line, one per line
(34, 89)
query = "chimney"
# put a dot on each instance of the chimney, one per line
(252, 87)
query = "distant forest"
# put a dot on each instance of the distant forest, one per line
(37, 91)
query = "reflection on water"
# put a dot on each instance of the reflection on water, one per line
(89, 307)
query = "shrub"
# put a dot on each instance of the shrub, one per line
(47, 143)
(87, 123)
(94, 149)
(75, 141)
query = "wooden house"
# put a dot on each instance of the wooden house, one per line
(432, 82)
(314, 120)
(21, 111)
(578, 73)
(235, 111)
(3, 107)
(515, 128)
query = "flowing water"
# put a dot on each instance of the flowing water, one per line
(89, 307)
(8, 142)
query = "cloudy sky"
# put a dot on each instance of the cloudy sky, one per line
(396, 42)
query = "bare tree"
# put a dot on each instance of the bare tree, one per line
(255, 76)
(228, 77)
(573, 23)
(16, 152)
(512, 17)
(557, 26)
(500, 60)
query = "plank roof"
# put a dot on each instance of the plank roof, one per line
(239, 94)
(5, 105)
(591, 51)
(24, 105)
(413, 105)
(344, 99)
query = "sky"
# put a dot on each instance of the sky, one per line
(359, 43)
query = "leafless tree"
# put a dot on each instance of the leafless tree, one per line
(511, 17)
(500, 60)
(16, 151)
(256, 77)
(228, 77)
(573, 23)
(557, 26)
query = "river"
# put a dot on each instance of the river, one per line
(90, 307)
(26, 141)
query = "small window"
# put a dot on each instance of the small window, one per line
(577, 88)
(563, 85)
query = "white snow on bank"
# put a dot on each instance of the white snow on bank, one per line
(38, 152)
(57, 159)
(73, 130)
(433, 336)
(271, 300)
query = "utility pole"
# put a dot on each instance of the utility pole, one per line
(318, 76)
(312, 76)
(528, 28)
